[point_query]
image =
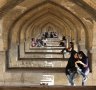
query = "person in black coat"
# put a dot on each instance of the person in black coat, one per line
(70, 69)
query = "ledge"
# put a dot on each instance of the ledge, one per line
(55, 87)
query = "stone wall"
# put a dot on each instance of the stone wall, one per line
(68, 17)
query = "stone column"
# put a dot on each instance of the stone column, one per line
(82, 42)
(1, 37)
(72, 35)
(93, 51)
(82, 47)
(2, 54)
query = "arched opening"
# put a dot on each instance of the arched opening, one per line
(34, 20)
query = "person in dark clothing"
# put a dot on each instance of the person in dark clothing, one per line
(64, 38)
(51, 35)
(55, 35)
(63, 42)
(46, 34)
(70, 68)
(70, 48)
(82, 65)
(71, 45)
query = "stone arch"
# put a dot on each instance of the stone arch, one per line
(18, 22)
(57, 5)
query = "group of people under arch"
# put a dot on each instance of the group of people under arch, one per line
(38, 42)
(48, 34)
(42, 41)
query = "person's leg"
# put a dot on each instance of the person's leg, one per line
(87, 72)
(71, 78)
(85, 77)
(73, 75)
(80, 72)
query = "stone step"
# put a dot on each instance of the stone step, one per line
(39, 69)
(44, 51)
(42, 55)
(47, 48)
(52, 43)
(43, 59)
(48, 54)
(53, 39)
(36, 64)
(35, 54)
(45, 87)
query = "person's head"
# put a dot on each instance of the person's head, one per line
(63, 38)
(75, 55)
(69, 48)
(71, 45)
(32, 39)
(81, 55)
